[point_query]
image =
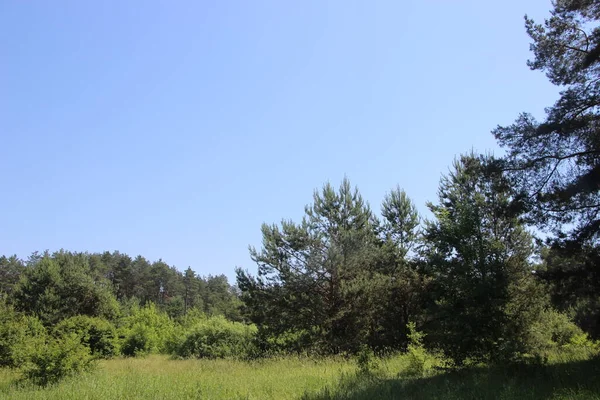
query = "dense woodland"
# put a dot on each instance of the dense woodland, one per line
(63, 284)
(504, 269)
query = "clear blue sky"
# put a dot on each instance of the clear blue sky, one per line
(173, 129)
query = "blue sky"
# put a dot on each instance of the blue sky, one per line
(174, 129)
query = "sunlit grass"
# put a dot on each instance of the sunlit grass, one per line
(158, 377)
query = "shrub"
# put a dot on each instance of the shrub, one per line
(289, 342)
(18, 333)
(366, 360)
(32, 337)
(146, 330)
(140, 340)
(59, 358)
(554, 329)
(191, 318)
(556, 338)
(420, 362)
(216, 337)
(96, 333)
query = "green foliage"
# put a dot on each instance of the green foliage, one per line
(191, 294)
(140, 340)
(216, 337)
(75, 292)
(397, 288)
(366, 360)
(555, 333)
(317, 278)
(147, 330)
(99, 335)
(287, 343)
(573, 279)
(56, 360)
(477, 255)
(559, 329)
(219, 298)
(192, 317)
(420, 361)
(128, 306)
(175, 307)
(18, 334)
(11, 269)
(401, 226)
(555, 162)
(61, 286)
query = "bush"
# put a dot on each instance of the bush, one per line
(146, 330)
(366, 360)
(56, 360)
(140, 340)
(289, 342)
(556, 332)
(32, 337)
(216, 337)
(98, 334)
(420, 362)
(191, 318)
(18, 334)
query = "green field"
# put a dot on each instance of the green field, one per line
(158, 377)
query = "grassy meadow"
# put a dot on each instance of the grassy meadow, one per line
(158, 377)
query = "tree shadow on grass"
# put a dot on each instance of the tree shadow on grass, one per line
(573, 380)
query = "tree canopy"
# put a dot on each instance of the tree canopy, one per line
(556, 162)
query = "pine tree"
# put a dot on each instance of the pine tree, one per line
(556, 162)
(398, 286)
(313, 277)
(478, 257)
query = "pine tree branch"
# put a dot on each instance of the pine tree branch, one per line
(531, 163)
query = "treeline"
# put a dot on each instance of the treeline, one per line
(59, 312)
(62, 284)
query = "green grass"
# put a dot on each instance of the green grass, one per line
(158, 377)
(569, 381)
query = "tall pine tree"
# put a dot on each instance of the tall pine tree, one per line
(478, 257)
(313, 277)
